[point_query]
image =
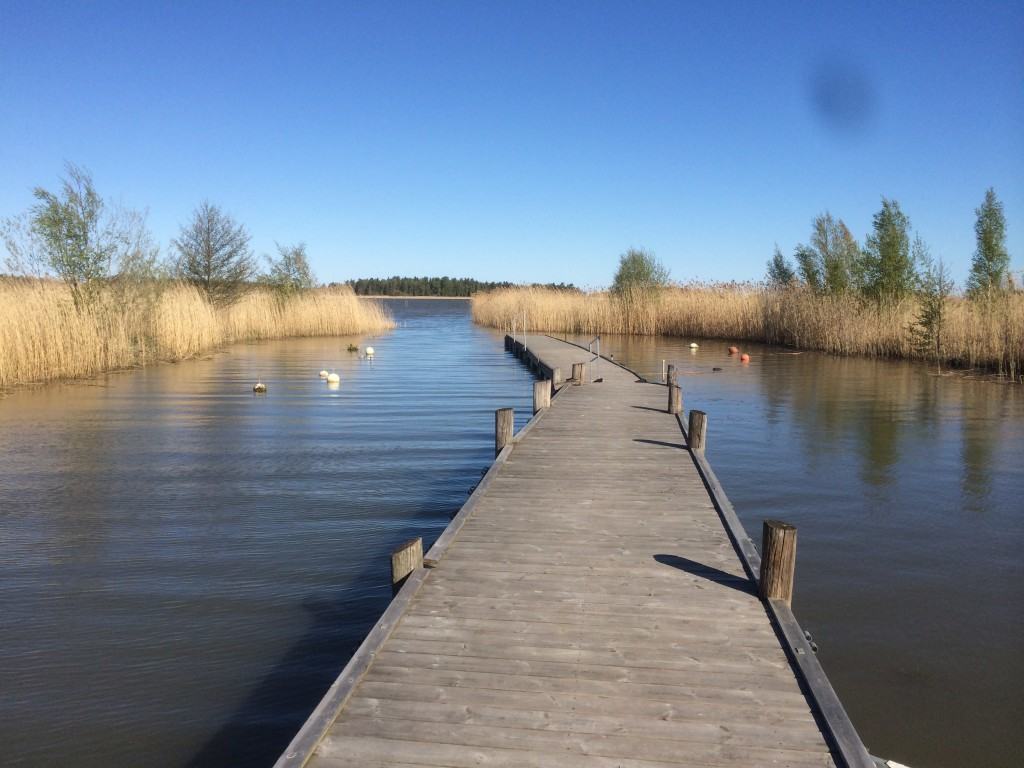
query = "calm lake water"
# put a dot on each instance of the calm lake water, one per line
(185, 567)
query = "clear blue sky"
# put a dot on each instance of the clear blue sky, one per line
(524, 141)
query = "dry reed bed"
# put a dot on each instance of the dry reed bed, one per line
(971, 337)
(43, 336)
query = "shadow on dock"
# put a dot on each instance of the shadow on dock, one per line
(658, 442)
(648, 408)
(739, 583)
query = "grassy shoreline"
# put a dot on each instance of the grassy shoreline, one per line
(797, 318)
(43, 337)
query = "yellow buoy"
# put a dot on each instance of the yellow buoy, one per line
(369, 351)
(333, 378)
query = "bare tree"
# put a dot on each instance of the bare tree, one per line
(213, 253)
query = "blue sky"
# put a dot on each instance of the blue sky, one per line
(524, 141)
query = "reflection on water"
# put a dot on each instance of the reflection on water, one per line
(908, 489)
(185, 566)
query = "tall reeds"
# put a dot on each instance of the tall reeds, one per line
(973, 335)
(44, 337)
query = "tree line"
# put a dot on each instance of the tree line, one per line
(894, 264)
(453, 287)
(890, 265)
(74, 234)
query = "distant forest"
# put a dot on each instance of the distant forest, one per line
(431, 286)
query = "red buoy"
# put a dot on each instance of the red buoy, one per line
(744, 358)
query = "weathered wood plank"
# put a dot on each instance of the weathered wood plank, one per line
(677, 752)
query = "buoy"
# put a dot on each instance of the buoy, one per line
(369, 351)
(259, 388)
(733, 350)
(744, 358)
(323, 374)
(353, 348)
(333, 385)
(715, 370)
(333, 378)
(693, 345)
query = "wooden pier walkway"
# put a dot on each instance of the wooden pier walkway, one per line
(594, 605)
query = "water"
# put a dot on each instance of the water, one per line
(908, 491)
(184, 567)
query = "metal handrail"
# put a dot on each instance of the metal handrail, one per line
(597, 360)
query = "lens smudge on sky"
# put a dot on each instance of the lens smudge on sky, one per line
(842, 97)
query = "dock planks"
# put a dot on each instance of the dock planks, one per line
(587, 609)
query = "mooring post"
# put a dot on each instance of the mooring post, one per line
(556, 378)
(675, 399)
(508, 343)
(698, 430)
(579, 373)
(405, 558)
(664, 372)
(778, 560)
(504, 426)
(675, 394)
(541, 395)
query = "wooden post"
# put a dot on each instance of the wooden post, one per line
(504, 426)
(579, 373)
(508, 343)
(664, 374)
(405, 559)
(698, 430)
(556, 377)
(671, 377)
(778, 560)
(675, 399)
(541, 395)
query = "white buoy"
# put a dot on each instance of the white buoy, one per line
(693, 345)
(369, 351)
(323, 374)
(333, 378)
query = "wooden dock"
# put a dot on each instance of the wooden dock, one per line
(595, 604)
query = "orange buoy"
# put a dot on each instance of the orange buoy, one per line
(744, 358)
(733, 350)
